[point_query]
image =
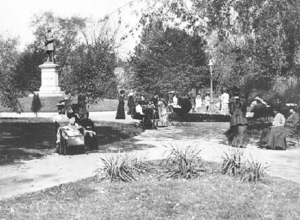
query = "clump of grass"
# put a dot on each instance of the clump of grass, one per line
(254, 171)
(249, 170)
(183, 161)
(232, 162)
(119, 167)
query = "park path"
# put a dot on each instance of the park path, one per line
(38, 174)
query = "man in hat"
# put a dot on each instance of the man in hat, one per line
(49, 45)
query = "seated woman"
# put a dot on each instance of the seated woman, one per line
(90, 137)
(292, 121)
(139, 114)
(275, 137)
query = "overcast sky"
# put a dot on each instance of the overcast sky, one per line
(15, 15)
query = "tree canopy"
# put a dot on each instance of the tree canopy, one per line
(168, 59)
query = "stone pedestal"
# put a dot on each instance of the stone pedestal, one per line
(50, 87)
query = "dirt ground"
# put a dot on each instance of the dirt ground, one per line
(37, 174)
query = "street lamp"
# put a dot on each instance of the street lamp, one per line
(211, 80)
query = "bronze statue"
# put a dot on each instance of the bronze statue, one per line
(49, 45)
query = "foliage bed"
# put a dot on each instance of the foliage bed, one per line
(212, 196)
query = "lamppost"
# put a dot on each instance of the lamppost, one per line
(211, 80)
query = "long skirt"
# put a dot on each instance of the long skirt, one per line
(274, 138)
(120, 111)
(237, 136)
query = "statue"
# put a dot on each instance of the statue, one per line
(49, 45)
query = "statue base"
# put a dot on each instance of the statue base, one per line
(50, 77)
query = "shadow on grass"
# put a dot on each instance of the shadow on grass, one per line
(22, 140)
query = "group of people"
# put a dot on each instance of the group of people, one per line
(141, 109)
(275, 136)
(71, 124)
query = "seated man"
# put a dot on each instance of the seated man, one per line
(90, 137)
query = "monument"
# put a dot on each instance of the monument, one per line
(50, 70)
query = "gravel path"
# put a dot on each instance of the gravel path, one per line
(38, 174)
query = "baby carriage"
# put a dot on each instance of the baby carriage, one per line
(71, 141)
(179, 113)
(148, 120)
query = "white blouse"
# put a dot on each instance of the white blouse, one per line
(279, 120)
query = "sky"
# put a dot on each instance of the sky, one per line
(15, 15)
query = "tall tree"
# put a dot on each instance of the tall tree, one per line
(168, 59)
(8, 58)
(92, 72)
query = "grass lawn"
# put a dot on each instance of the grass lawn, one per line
(49, 104)
(212, 196)
(28, 138)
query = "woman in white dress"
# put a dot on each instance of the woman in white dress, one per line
(198, 102)
(162, 112)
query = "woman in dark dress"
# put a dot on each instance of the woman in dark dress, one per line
(121, 110)
(130, 103)
(238, 123)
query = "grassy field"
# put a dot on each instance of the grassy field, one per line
(49, 104)
(212, 196)
(29, 138)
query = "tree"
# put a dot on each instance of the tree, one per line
(28, 73)
(262, 35)
(36, 104)
(8, 58)
(169, 59)
(92, 72)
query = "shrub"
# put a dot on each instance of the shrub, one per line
(36, 104)
(249, 170)
(254, 171)
(183, 162)
(119, 167)
(232, 162)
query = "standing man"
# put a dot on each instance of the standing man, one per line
(49, 45)
(225, 103)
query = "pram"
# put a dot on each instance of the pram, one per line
(260, 116)
(179, 113)
(149, 119)
(70, 140)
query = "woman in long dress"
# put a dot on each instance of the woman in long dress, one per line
(236, 135)
(162, 112)
(121, 110)
(130, 104)
(198, 102)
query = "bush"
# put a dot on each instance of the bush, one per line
(119, 167)
(254, 171)
(183, 162)
(36, 104)
(249, 170)
(232, 162)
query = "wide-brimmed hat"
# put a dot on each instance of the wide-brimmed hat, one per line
(130, 94)
(257, 98)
